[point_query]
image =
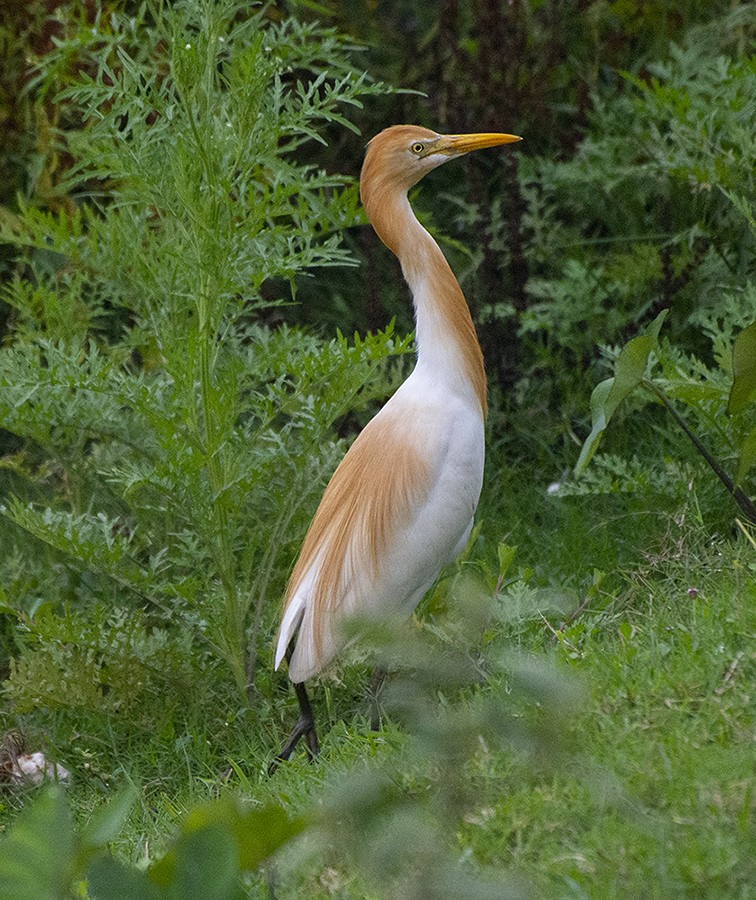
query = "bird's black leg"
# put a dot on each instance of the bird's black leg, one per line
(305, 727)
(377, 680)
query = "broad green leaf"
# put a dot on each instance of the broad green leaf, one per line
(36, 855)
(260, 832)
(599, 418)
(257, 832)
(629, 371)
(743, 370)
(507, 554)
(631, 364)
(108, 879)
(107, 822)
(747, 456)
(206, 866)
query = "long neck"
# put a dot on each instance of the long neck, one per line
(447, 346)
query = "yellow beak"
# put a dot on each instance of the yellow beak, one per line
(457, 144)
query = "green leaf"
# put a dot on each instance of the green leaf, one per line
(260, 832)
(600, 419)
(747, 456)
(108, 879)
(630, 368)
(218, 840)
(36, 856)
(107, 822)
(507, 554)
(206, 866)
(743, 370)
(629, 371)
(256, 832)
(743, 205)
(5, 605)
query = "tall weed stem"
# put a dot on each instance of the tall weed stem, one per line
(737, 494)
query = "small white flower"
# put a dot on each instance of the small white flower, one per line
(188, 47)
(553, 488)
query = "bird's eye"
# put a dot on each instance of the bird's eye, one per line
(418, 148)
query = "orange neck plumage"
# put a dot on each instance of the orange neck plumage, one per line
(442, 315)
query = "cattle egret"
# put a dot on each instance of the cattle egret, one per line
(400, 505)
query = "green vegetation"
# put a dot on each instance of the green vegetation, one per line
(570, 713)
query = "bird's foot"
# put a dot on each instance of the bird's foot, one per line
(305, 728)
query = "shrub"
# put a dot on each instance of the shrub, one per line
(169, 443)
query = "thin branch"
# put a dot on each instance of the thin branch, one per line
(738, 495)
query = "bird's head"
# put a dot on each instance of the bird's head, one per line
(400, 156)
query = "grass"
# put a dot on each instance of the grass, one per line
(638, 785)
(657, 800)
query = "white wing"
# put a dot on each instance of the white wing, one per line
(399, 507)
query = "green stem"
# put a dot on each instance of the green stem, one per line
(223, 551)
(209, 430)
(738, 495)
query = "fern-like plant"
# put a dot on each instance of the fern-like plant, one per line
(171, 441)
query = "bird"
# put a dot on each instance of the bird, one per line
(400, 505)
